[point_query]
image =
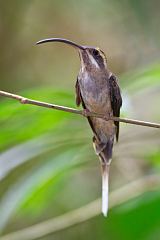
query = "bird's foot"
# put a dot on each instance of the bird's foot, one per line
(108, 116)
(85, 112)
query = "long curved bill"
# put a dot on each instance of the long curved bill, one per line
(73, 44)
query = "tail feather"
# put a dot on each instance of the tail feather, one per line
(104, 150)
(105, 189)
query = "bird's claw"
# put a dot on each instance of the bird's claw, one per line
(108, 116)
(85, 112)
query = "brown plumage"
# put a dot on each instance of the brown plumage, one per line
(98, 91)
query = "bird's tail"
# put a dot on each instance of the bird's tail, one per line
(104, 151)
(105, 188)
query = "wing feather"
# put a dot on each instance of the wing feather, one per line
(116, 100)
(79, 100)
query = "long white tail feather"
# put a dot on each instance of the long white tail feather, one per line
(105, 176)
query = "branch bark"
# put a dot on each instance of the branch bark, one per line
(24, 100)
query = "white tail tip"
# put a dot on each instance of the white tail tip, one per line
(105, 175)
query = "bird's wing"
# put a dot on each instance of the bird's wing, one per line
(116, 100)
(79, 100)
(78, 94)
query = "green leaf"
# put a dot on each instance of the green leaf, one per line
(29, 192)
(24, 122)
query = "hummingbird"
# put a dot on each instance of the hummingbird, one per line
(97, 90)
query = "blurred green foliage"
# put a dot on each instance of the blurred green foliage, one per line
(47, 164)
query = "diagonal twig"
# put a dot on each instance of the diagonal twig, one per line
(24, 100)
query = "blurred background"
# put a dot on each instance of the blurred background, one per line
(47, 164)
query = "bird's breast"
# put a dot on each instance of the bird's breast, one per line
(95, 92)
(96, 97)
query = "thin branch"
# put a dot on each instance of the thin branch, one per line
(117, 197)
(24, 100)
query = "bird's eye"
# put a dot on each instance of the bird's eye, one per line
(95, 52)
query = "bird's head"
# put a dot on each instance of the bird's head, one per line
(91, 57)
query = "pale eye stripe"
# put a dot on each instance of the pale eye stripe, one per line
(93, 61)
